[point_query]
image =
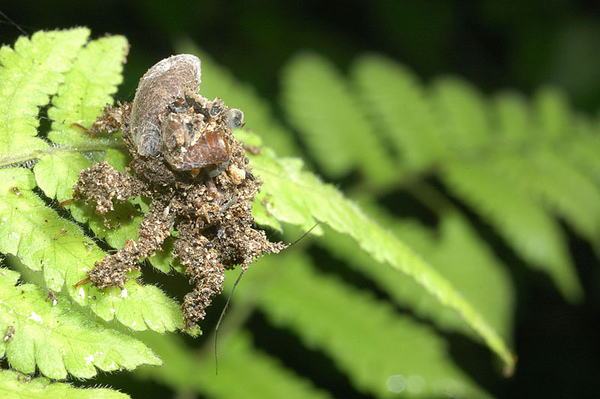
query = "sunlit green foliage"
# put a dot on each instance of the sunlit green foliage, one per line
(503, 159)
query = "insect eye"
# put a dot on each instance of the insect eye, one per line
(235, 118)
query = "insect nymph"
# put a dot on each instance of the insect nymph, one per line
(186, 160)
(170, 118)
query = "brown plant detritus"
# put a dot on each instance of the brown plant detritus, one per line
(185, 158)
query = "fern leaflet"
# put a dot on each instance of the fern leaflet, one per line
(58, 340)
(341, 138)
(398, 346)
(16, 386)
(499, 157)
(293, 194)
(194, 370)
(30, 74)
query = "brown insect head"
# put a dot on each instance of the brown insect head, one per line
(192, 140)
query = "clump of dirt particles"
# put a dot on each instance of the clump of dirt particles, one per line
(187, 161)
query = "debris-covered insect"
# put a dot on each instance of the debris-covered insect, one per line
(186, 160)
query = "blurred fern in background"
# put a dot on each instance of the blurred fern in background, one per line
(444, 169)
(486, 172)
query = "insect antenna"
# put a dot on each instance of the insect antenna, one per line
(304, 235)
(231, 295)
(13, 23)
(221, 318)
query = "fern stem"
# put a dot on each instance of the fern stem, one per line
(31, 156)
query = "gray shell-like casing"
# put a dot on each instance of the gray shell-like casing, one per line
(164, 81)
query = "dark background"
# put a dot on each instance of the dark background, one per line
(494, 44)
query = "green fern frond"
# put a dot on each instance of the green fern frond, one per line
(550, 179)
(376, 347)
(44, 241)
(17, 386)
(68, 165)
(504, 157)
(37, 236)
(499, 157)
(88, 87)
(244, 371)
(553, 117)
(483, 280)
(57, 339)
(556, 169)
(399, 111)
(462, 115)
(323, 108)
(583, 153)
(532, 231)
(299, 198)
(80, 76)
(512, 119)
(27, 85)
